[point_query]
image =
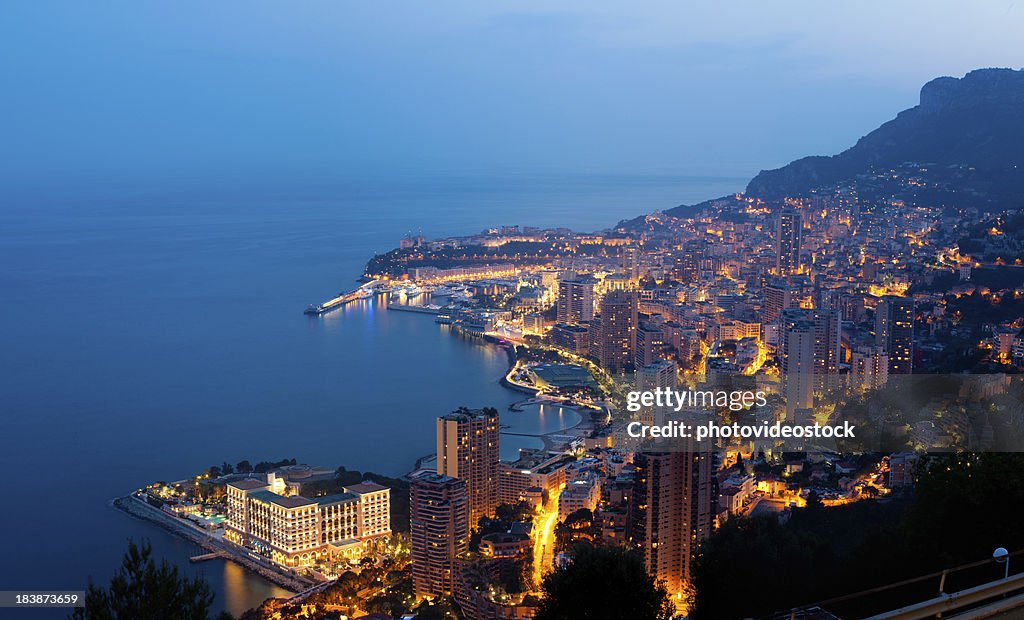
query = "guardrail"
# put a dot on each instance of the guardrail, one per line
(957, 601)
(972, 584)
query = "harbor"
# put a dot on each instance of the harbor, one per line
(401, 291)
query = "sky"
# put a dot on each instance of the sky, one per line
(123, 89)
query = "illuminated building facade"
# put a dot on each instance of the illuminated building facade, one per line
(661, 374)
(673, 504)
(575, 300)
(894, 331)
(439, 531)
(295, 531)
(788, 234)
(468, 449)
(618, 331)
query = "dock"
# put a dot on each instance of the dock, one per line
(364, 291)
(206, 556)
(333, 303)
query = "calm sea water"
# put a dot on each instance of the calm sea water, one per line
(152, 330)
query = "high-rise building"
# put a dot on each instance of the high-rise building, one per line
(673, 502)
(619, 311)
(689, 346)
(686, 268)
(852, 308)
(650, 342)
(468, 449)
(575, 300)
(778, 296)
(660, 374)
(809, 352)
(827, 336)
(438, 531)
(798, 366)
(594, 335)
(869, 367)
(631, 263)
(787, 242)
(894, 331)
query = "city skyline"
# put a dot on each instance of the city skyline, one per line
(513, 310)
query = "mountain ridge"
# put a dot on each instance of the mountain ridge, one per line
(975, 122)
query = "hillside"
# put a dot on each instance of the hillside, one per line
(963, 145)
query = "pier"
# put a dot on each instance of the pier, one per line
(206, 556)
(366, 290)
(212, 545)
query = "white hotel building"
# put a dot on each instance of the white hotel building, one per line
(296, 531)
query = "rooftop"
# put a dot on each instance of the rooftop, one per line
(248, 484)
(293, 501)
(365, 487)
(337, 497)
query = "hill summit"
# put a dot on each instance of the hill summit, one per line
(965, 140)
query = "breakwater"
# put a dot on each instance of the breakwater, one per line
(141, 510)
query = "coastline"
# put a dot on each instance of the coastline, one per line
(215, 546)
(139, 509)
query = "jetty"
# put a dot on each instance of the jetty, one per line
(213, 555)
(138, 508)
(363, 292)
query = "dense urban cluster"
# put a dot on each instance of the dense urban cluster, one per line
(818, 297)
(819, 302)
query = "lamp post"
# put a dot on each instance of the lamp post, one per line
(1002, 556)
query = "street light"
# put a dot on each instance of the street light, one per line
(1002, 556)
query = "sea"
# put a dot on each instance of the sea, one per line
(153, 327)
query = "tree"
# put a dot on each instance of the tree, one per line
(578, 526)
(814, 500)
(439, 609)
(142, 590)
(603, 582)
(796, 559)
(962, 507)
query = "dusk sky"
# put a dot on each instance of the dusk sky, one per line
(128, 88)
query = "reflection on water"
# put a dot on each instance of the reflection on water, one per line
(540, 419)
(242, 592)
(512, 444)
(186, 345)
